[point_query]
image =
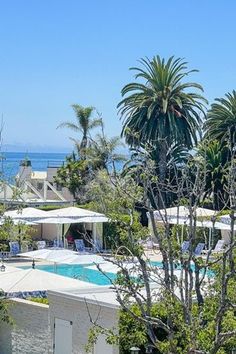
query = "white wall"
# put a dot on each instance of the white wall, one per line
(70, 309)
(30, 332)
(49, 231)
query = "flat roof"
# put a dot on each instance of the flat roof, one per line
(99, 295)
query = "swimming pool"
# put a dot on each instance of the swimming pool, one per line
(85, 273)
(81, 272)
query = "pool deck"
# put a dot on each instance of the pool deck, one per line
(154, 255)
(21, 262)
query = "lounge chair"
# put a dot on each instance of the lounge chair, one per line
(197, 251)
(219, 247)
(41, 245)
(199, 248)
(185, 246)
(79, 245)
(14, 248)
(5, 255)
(58, 244)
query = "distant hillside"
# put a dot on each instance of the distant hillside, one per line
(34, 148)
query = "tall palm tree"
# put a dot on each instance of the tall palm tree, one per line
(214, 157)
(103, 152)
(221, 120)
(159, 110)
(84, 123)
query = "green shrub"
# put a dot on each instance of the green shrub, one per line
(39, 300)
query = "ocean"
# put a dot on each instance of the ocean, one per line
(10, 161)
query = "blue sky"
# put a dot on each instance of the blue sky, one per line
(54, 53)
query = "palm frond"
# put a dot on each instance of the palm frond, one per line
(162, 106)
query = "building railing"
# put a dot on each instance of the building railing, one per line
(55, 164)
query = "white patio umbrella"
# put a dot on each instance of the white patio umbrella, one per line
(59, 215)
(71, 215)
(205, 224)
(175, 221)
(48, 253)
(109, 267)
(180, 215)
(30, 280)
(93, 219)
(19, 222)
(182, 212)
(29, 214)
(63, 256)
(56, 220)
(72, 212)
(24, 222)
(82, 259)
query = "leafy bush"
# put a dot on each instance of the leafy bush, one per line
(39, 300)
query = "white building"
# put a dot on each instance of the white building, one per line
(35, 187)
(71, 315)
(63, 326)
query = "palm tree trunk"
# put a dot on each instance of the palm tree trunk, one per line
(162, 166)
(83, 147)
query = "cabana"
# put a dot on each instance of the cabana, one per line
(55, 223)
(182, 212)
(73, 212)
(180, 216)
(64, 217)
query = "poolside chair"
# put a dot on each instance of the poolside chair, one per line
(219, 247)
(58, 244)
(5, 255)
(185, 246)
(14, 248)
(199, 248)
(41, 245)
(79, 245)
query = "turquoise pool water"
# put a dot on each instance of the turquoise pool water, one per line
(78, 272)
(81, 272)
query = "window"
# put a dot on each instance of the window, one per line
(58, 187)
(40, 185)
